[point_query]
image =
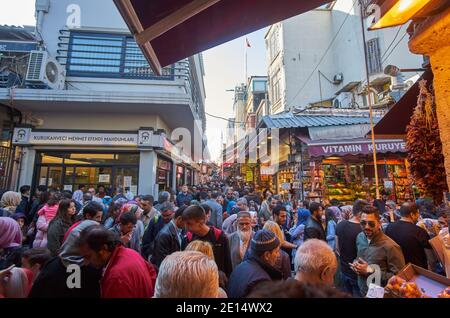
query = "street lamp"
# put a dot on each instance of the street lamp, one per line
(397, 12)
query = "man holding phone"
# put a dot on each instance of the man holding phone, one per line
(375, 248)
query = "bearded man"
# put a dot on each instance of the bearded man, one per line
(239, 240)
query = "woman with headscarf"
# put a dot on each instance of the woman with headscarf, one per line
(127, 207)
(54, 275)
(347, 212)
(9, 203)
(297, 231)
(10, 243)
(114, 211)
(332, 218)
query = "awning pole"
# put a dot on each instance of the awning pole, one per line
(374, 151)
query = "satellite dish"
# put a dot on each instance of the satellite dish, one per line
(391, 70)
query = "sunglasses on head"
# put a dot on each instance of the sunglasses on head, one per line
(370, 223)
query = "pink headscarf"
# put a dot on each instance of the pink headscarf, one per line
(49, 211)
(127, 207)
(10, 233)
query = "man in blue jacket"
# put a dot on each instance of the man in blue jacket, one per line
(258, 265)
(184, 196)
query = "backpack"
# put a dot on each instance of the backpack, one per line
(217, 233)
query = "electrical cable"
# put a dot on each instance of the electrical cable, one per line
(226, 119)
(325, 53)
(393, 49)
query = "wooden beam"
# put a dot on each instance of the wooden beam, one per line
(126, 9)
(173, 19)
(150, 54)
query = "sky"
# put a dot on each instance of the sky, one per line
(224, 68)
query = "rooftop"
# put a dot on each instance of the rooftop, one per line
(15, 33)
(289, 120)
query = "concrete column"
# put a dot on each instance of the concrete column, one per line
(26, 167)
(432, 39)
(147, 173)
(174, 176)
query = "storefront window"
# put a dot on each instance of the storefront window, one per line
(89, 158)
(188, 176)
(164, 174)
(127, 179)
(54, 178)
(180, 176)
(66, 171)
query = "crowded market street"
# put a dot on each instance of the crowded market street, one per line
(130, 169)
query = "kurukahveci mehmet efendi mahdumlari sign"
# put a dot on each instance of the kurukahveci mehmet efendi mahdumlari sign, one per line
(25, 136)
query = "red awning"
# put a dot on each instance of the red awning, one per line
(395, 121)
(170, 30)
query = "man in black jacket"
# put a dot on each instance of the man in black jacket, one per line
(195, 221)
(24, 206)
(169, 239)
(314, 227)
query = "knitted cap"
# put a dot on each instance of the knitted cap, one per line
(264, 241)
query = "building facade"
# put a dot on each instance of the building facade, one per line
(317, 59)
(99, 116)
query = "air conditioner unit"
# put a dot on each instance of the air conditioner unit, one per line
(343, 100)
(43, 69)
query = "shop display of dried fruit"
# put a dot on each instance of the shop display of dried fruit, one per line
(395, 283)
(410, 290)
(445, 293)
(424, 147)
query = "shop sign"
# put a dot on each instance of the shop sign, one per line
(267, 171)
(249, 175)
(144, 138)
(68, 187)
(43, 181)
(127, 181)
(104, 178)
(286, 186)
(364, 148)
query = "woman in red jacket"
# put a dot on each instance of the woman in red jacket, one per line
(126, 274)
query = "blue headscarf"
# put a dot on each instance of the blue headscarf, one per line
(303, 215)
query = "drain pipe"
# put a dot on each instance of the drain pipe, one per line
(42, 7)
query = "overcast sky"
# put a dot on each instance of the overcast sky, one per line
(224, 68)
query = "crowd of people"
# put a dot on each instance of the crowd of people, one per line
(207, 241)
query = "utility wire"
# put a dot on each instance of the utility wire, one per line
(326, 52)
(393, 49)
(226, 119)
(392, 42)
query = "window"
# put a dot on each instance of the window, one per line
(276, 89)
(274, 44)
(109, 55)
(374, 56)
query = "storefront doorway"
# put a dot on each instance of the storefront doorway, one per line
(164, 174)
(68, 170)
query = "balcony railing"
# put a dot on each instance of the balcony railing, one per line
(103, 55)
